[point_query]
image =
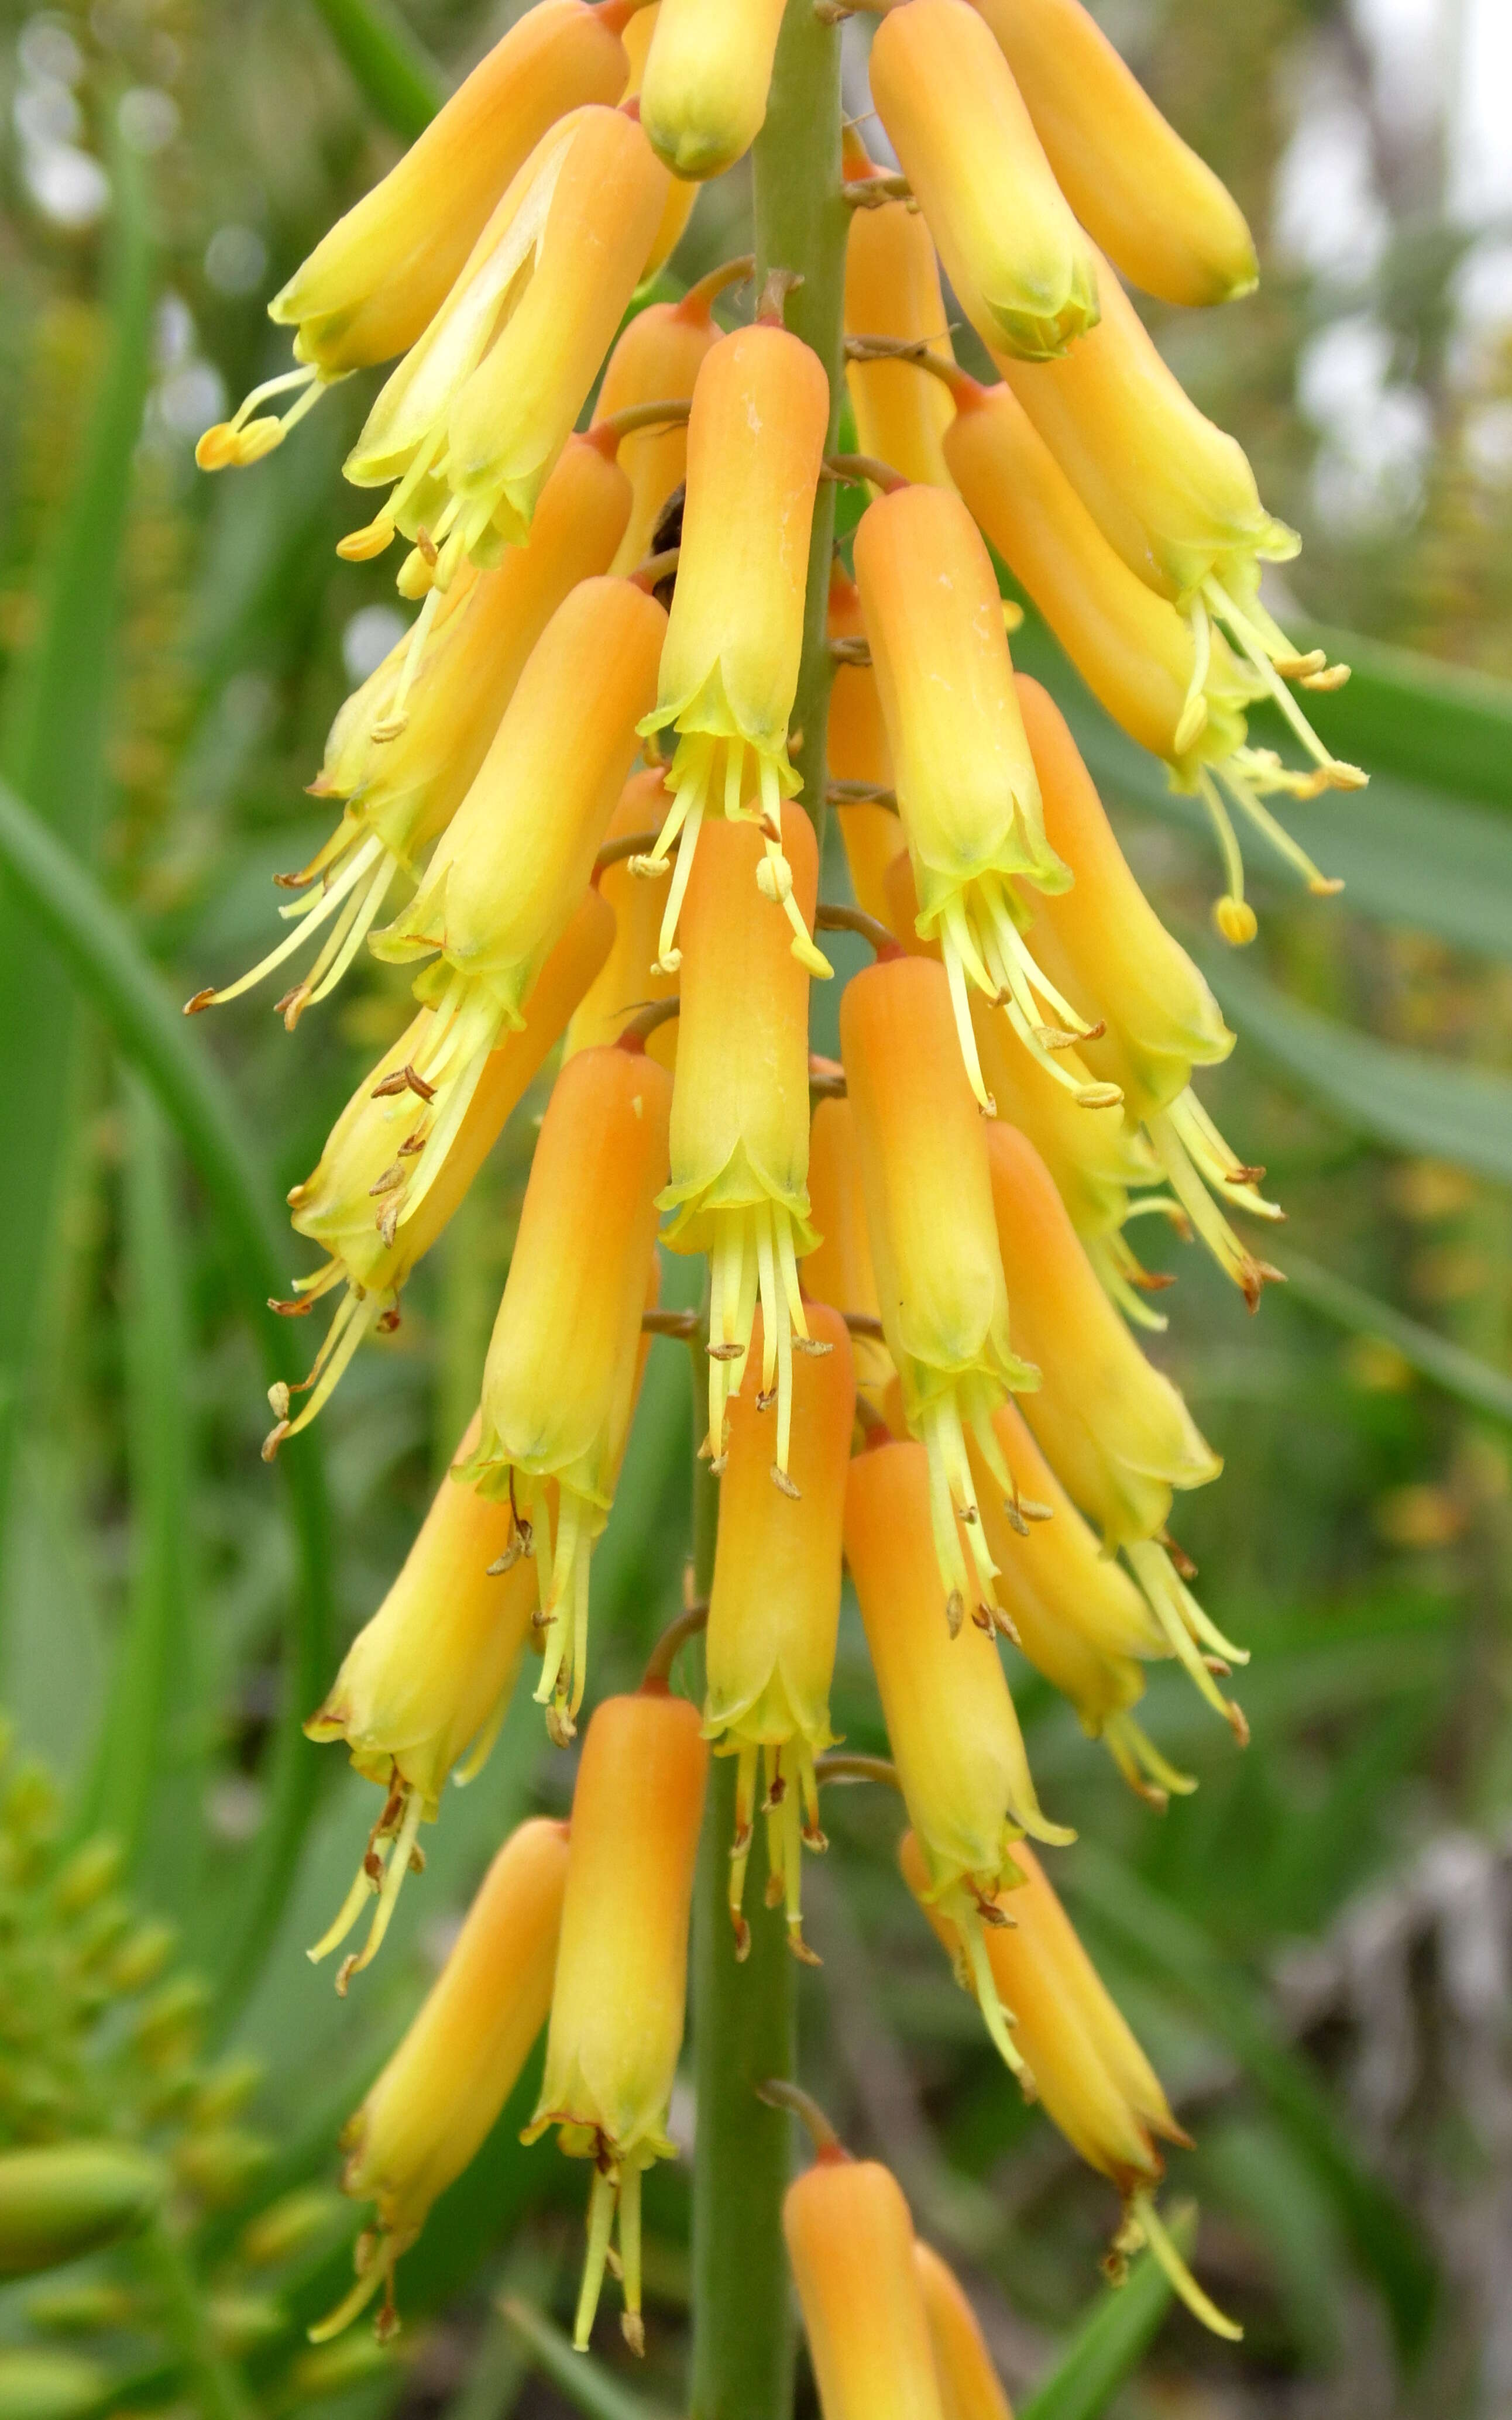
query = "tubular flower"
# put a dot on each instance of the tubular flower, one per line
(729, 669)
(967, 790)
(970, 2388)
(1113, 1430)
(406, 748)
(1094, 2080)
(839, 1268)
(1177, 497)
(1141, 193)
(425, 1681)
(1075, 1613)
(703, 90)
(621, 1970)
(892, 289)
(563, 1364)
(470, 424)
(945, 1303)
(443, 2087)
(515, 859)
(657, 361)
(850, 2243)
(773, 1612)
(950, 1720)
(856, 747)
(346, 1204)
(373, 284)
(638, 32)
(1119, 963)
(1024, 274)
(627, 981)
(740, 1114)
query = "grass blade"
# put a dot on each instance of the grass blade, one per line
(576, 2376)
(397, 75)
(1433, 1357)
(102, 955)
(1113, 2338)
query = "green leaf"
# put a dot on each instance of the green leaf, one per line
(397, 77)
(1112, 2339)
(1433, 1357)
(1406, 1099)
(583, 2381)
(1154, 1936)
(101, 953)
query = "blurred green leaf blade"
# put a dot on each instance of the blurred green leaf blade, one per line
(1113, 2338)
(395, 72)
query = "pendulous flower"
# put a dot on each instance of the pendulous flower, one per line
(1021, 268)
(970, 2388)
(621, 1970)
(839, 1268)
(703, 90)
(740, 1112)
(850, 2243)
(892, 291)
(425, 1682)
(445, 2086)
(773, 1612)
(657, 360)
(729, 669)
(856, 750)
(564, 1358)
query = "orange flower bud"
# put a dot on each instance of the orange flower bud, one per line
(656, 360)
(373, 284)
(729, 669)
(470, 423)
(345, 1204)
(851, 2241)
(621, 1970)
(970, 2388)
(627, 981)
(561, 1373)
(426, 1678)
(637, 38)
(1119, 964)
(740, 1114)
(443, 2087)
(839, 1268)
(856, 745)
(406, 748)
(1142, 193)
(967, 790)
(773, 1612)
(892, 289)
(1023, 273)
(951, 1722)
(944, 1304)
(506, 875)
(703, 92)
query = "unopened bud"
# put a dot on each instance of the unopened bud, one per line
(63, 2200)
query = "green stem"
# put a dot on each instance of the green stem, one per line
(744, 2016)
(218, 2390)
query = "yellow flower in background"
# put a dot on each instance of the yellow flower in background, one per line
(1094, 2082)
(839, 1268)
(373, 284)
(850, 2243)
(945, 1303)
(729, 669)
(773, 1612)
(704, 90)
(970, 2388)
(856, 752)
(471, 423)
(346, 1203)
(564, 1358)
(440, 2092)
(967, 790)
(657, 360)
(1169, 224)
(1022, 271)
(628, 980)
(740, 1112)
(892, 289)
(425, 1682)
(407, 746)
(951, 1722)
(1120, 965)
(622, 1969)
(513, 863)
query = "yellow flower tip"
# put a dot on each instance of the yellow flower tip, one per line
(1235, 921)
(704, 88)
(970, 2388)
(850, 2243)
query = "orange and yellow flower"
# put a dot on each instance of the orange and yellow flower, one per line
(850, 2243)
(970, 2388)
(703, 90)
(657, 360)
(892, 291)
(839, 1268)
(856, 752)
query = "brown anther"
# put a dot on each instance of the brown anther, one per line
(560, 1728)
(800, 1950)
(389, 1319)
(372, 1865)
(983, 1620)
(1243, 1175)
(1004, 1624)
(815, 1346)
(298, 1307)
(394, 1174)
(1218, 1668)
(776, 1792)
(291, 1006)
(816, 1840)
(786, 1484)
(426, 545)
(1181, 1562)
(766, 1397)
(1015, 1518)
(202, 999)
(1157, 1281)
(411, 1145)
(344, 1974)
(723, 1352)
(388, 1219)
(404, 1079)
(632, 2328)
(1236, 1722)
(279, 1399)
(300, 881)
(742, 1939)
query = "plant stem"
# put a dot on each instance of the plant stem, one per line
(744, 2016)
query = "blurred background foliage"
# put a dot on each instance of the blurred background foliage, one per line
(1315, 1946)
